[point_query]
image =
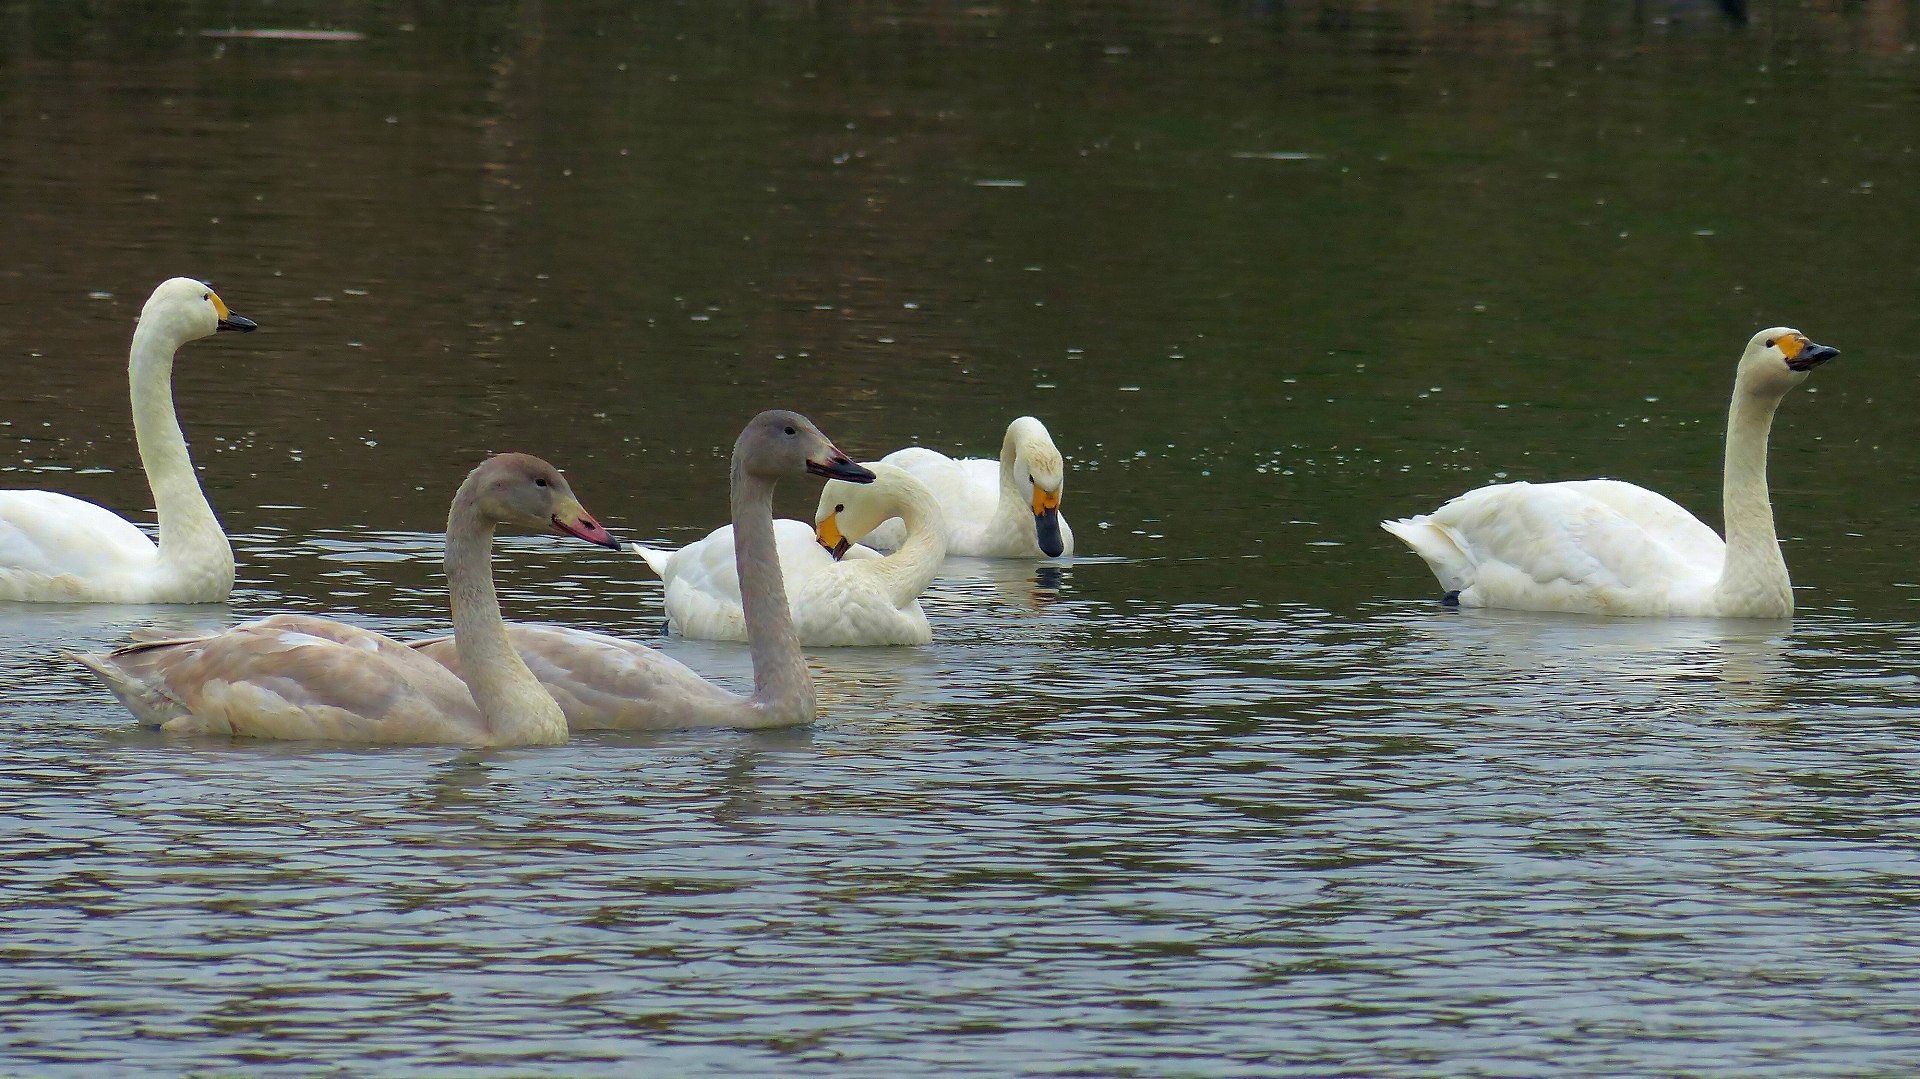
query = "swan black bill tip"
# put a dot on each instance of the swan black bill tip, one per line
(841, 467)
(1812, 356)
(1046, 531)
(1451, 599)
(238, 323)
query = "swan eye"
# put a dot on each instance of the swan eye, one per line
(206, 295)
(841, 508)
(791, 431)
(1770, 342)
(541, 482)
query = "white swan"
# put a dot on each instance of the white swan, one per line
(58, 549)
(1607, 547)
(603, 682)
(1008, 508)
(298, 676)
(840, 594)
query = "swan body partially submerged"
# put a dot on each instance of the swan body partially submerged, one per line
(1608, 547)
(840, 593)
(304, 677)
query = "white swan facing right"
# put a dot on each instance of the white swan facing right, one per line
(841, 594)
(1009, 508)
(1608, 547)
(55, 548)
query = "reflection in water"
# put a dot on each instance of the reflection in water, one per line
(1746, 656)
(1237, 799)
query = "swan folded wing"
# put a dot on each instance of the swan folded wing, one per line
(851, 606)
(605, 683)
(703, 584)
(1661, 518)
(1558, 546)
(294, 676)
(50, 535)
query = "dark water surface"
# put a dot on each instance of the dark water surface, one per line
(1232, 795)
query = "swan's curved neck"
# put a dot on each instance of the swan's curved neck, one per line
(1010, 471)
(1753, 581)
(190, 535)
(511, 700)
(916, 562)
(780, 680)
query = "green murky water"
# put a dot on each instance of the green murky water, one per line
(1235, 796)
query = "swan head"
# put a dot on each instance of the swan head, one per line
(525, 492)
(1778, 359)
(190, 309)
(778, 444)
(1038, 469)
(848, 511)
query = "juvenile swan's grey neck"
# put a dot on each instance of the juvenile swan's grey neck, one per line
(780, 680)
(509, 697)
(190, 535)
(1753, 581)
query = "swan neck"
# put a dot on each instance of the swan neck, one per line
(511, 700)
(1754, 580)
(190, 534)
(780, 680)
(1010, 469)
(916, 562)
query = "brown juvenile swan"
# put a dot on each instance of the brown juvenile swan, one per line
(299, 676)
(604, 682)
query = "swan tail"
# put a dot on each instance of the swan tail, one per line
(147, 701)
(656, 558)
(1439, 546)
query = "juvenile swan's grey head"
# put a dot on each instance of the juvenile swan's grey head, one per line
(525, 492)
(778, 444)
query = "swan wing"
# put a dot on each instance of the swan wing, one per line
(1661, 518)
(296, 677)
(703, 585)
(850, 605)
(1565, 547)
(603, 682)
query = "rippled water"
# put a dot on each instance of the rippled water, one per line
(1230, 795)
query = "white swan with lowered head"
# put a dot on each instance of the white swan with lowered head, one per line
(1607, 547)
(1009, 508)
(55, 548)
(840, 594)
(298, 676)
(603, 682)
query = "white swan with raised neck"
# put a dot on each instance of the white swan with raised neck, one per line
(1609, 547)
(55, 548)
